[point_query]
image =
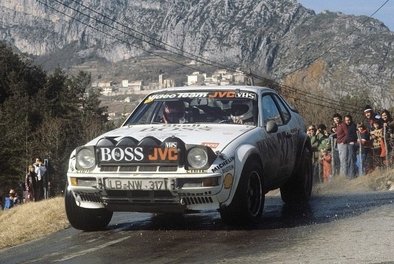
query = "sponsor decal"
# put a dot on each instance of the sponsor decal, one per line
(222, 94)
(233, 94)
(176, 127)
(192, 95)
(210, 144)
(153, 97)
(213, 94)
(163, 154)
(228, 168)
(111, 155)
(120, 154)
(148, 150)
(223, 164)
(171, 144)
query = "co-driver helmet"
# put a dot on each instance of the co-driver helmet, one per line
(174, 112)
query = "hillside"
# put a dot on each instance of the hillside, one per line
(279, 39)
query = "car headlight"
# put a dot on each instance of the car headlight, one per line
(198, 158)
(85, 158)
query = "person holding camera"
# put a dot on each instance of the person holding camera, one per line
(41, 183)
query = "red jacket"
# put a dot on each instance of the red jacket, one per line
(341, 133)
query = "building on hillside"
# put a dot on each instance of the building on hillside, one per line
(166, 83)
(240, 78)
(124, 84)
(195, 79)
(209, 82)
(104, 84)
(106, 88)
(107, 91)
(136, 86)
(151, 86)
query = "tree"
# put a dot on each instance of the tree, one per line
(43, 116)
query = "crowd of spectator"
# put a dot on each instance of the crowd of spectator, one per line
(35, 186)
(351, 149)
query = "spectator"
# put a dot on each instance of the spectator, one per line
(46, 184)
(40, 170)
(30, 183)
(335, 162)
(377, 143)
(337, 119)
(8, 202)
(364, 146)
(311, 132)
(326, 165)
(11, 200)
(388, 134)
(346, 139)
(322, 138)
(369, 117)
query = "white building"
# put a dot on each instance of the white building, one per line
(195, 78)
(135, 86)
(165, 83)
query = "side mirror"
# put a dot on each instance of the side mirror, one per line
(271, 127)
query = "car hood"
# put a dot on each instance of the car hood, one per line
(214, 136)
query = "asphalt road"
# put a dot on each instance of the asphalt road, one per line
(346, 228)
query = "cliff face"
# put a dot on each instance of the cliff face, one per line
(280, 39)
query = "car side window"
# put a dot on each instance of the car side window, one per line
(284, 111)
(270, 110)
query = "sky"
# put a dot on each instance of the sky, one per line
(355, 7)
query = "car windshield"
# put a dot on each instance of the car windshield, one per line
(189, 107)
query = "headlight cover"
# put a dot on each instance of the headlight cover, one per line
(199, 157)
(85, 158)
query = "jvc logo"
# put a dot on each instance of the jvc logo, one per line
(120, 154)
(164, 154)
(224, 94)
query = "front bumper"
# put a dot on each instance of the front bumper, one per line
(182, 192)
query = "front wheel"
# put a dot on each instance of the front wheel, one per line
(84, 218)
(299, 187)
(248, 201)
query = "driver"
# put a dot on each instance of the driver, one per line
(174, 112)
(241, 112)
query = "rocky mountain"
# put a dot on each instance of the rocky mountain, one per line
(327, 53)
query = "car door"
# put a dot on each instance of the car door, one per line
(289, 136)
(276, 146)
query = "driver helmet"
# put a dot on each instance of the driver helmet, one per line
(174, 112)
(241, 111)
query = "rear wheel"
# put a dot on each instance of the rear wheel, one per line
(83, 218)
(299, 187)
(248, 201)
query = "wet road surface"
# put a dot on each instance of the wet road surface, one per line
(345, 228)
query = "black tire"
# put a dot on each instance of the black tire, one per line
(83, 218)
(248, 202)
(299, 187)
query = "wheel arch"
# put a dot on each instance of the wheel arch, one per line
(303, 142)
(243, 155)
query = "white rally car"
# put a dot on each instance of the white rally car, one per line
(191, 149)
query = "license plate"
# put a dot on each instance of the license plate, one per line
(135, 184)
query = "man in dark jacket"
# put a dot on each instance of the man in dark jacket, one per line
(346, 140)
(369, 117)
